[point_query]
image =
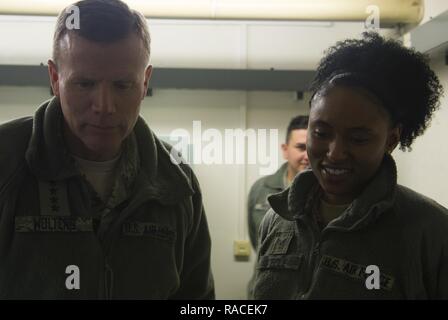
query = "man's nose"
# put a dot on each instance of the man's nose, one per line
(103, 100)
(305, 157)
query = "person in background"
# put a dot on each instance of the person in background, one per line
(346, 229)
(294, 152)
(91, 205)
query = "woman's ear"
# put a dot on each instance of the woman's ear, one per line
(394, 138)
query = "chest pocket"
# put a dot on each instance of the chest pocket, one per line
(144, 260)
(277, 274)
(276, 252)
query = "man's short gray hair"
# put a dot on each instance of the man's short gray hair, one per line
(102, 21)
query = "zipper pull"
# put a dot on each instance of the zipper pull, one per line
(316, 248)
(108, 281)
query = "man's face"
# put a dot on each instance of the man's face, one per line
(295, 151)
(100, 87)
(348, 135)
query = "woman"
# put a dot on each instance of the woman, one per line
(345, 229)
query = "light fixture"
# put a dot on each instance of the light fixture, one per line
(391, 11)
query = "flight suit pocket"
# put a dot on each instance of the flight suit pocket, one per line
(291, 262)
(277, 276)
(147, 251)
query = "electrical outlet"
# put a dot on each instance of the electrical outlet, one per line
(241, 248)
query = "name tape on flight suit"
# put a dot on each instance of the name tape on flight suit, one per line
(53, 224)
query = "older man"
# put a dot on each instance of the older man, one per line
(90, 204)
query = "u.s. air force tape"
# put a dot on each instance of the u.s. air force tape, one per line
(53, 224)
(140, 229)
(354, 270)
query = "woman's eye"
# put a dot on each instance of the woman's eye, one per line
(359, 140)
(320, 134)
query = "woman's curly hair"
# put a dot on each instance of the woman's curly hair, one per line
(399, 77)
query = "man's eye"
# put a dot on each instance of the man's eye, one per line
(85, 84)
(123, 85)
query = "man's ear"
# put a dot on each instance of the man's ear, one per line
(148, 74)
(285, 151)
(394, 138)
(54, 77)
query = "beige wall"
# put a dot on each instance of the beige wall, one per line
(425, 168)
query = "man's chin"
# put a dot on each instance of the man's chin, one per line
(302, 168)
(101, 152)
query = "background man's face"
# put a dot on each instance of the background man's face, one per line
(295, 151)
(100, 87)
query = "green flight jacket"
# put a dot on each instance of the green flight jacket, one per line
(403, 233)
(150, 241)
(258, 200)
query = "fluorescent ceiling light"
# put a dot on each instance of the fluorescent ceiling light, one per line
(391, 11)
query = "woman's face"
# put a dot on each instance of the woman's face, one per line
(348, 136)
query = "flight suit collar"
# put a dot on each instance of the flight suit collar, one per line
(48, 157)
(377, 197)
(276, 180)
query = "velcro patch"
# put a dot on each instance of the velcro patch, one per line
(141, 229)
(53, 224)
(354, 270)
(280, 243)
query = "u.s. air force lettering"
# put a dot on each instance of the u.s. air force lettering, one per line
(371, 275)
(52, 224)
(139, 229)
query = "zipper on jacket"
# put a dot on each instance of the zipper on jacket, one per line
(316, 249)
(108, 281)
(314, 261)
(317, 237)
(312, 269)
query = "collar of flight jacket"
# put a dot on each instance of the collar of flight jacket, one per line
(150, 164)
(377, 197)
(276, 180)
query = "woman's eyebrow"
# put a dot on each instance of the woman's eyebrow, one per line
(363, 129)
(321, 123)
